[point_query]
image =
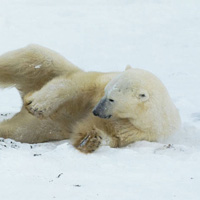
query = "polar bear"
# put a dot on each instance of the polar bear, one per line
(61, 101)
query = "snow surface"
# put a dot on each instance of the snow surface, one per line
(162, 36)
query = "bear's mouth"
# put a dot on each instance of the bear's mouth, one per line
(100, 115)
(106, 117)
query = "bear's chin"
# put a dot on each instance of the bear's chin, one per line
(105, 117)
(102, 116)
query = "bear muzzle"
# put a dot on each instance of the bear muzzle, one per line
(102, 109)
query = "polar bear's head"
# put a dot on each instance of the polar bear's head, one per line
(135, 94)
(140, 97)
(124, 94)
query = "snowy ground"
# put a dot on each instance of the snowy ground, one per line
(162, 36)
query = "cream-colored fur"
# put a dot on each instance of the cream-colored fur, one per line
(60, 101)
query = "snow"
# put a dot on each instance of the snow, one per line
(100, 35)
(38, 66)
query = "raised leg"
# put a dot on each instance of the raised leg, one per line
(61, 90)
(31, 67)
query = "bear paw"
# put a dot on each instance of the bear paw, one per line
(36, 105)
(89, 143)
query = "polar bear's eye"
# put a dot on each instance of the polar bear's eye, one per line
(142, 95)
(111, 100)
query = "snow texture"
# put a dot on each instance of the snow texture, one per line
(162, 36)
(38, 66)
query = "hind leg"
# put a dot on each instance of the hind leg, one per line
(29, 68)
(24, 127)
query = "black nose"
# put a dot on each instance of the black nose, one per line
(95, 113)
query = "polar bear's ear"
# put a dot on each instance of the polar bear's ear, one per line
(143, 95)
(128, 67)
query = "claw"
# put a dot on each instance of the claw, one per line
(84, 141)
(30, 102)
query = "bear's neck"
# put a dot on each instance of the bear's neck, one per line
(123, 132)
(120, 131)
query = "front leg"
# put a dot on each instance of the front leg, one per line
(88, 141)
(58, 91)
(45, 101)
(55, 93)
(89, 133)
